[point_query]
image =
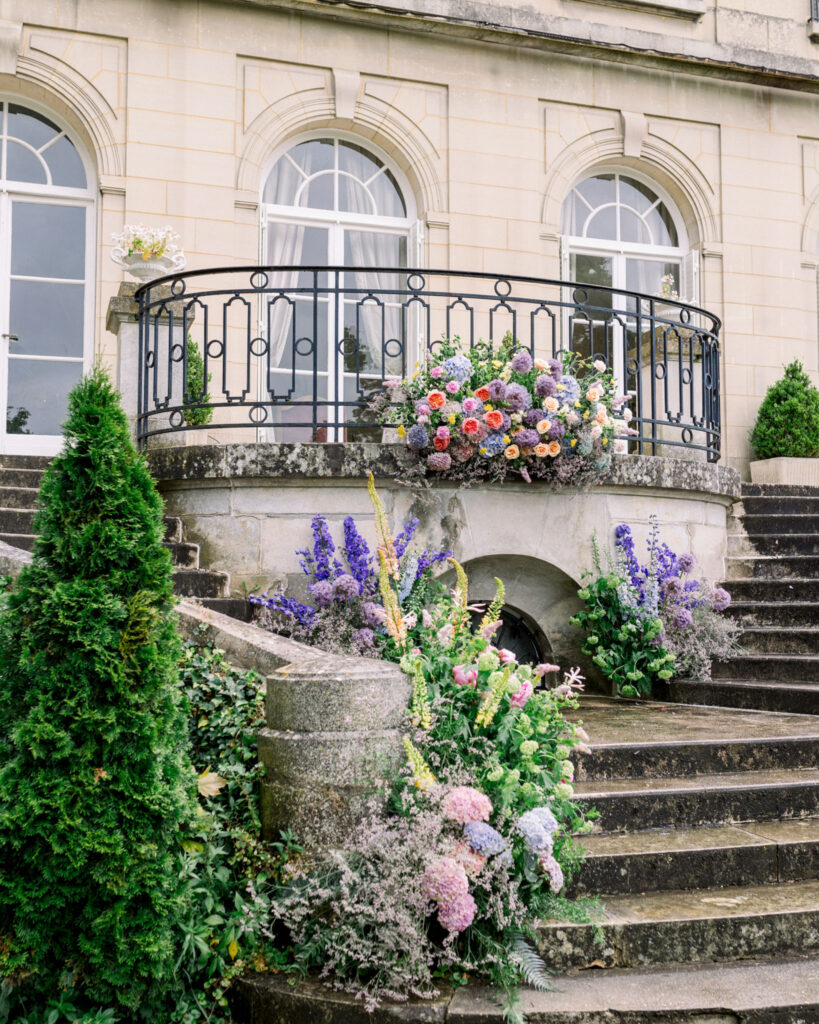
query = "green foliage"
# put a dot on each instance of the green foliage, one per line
(198, 413)
(787, 423)
(622, 645)
(95, 783)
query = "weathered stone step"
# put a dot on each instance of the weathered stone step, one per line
(201, 583)
(785, 697)
(766, 613)
(775, 591)
(40, 462)
(769, 668)
(780, 504)
(755, 524)
(186, 556)
(173, 529)
(19, 540)
(629, 804)
(755, 490)
(236, 607)
(16, 520)
(20, 477)
(692, 926)
(780, 640)
(773, 544)
(19, 497)
(758, 853)
(772, 567)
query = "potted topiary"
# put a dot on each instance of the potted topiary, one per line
(785, 437)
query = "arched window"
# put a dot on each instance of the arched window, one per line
(46, 270)
(330, 201)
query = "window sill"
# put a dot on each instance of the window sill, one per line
(691, 9)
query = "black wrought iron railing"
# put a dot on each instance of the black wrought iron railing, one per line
(295, 353)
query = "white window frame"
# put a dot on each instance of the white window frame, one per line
(15, 191)
(337, 223)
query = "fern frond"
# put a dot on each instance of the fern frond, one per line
(534, 970)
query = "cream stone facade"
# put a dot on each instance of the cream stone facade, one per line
(488, 113)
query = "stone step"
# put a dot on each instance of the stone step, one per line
(236, 607)
(775, 591)
(173, 529)
(755, 524)
(201, 583)
(759, 853)
(702, 925)
(756, 490)
(769, 668)
(795, 698)
(765, 613)
(16, 520)
(19, 540)
(780, 504)
(630, 804)
(773, 544)
(20, 477)
(186, 556)
(19, 497)
(780, 640)
(703, 757)
(772, 567)
(40, 462)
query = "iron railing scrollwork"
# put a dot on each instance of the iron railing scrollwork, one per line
(295, 353)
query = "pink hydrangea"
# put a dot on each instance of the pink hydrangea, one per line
(444, 880)
(465, 676)
(522, 695)
(452, 387)
(457, 915)
(473, 863)
(442, 431)
(551, 867)
(469, 404)
(436, 372)
(464, 804)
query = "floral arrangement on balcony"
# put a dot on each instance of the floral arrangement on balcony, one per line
(652, 622)
(147, 252)
(488, 413)
(479, 839)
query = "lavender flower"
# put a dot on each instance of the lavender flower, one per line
(497, 390)
(545, 386)
(555, 368)
(439, 461)
(557, 431)
(403, 539)
(484, 839)
(322, 591)
(533, 417)
(522, 362)
(321, 563)
(518, 398)
(346, 587)
(363, 639)
(685, 562)
(682, 618)
(302, 613)
(373, 614)
(720, 599)
(417, 437)
(527, 438)
(430, 558)
(357, 554)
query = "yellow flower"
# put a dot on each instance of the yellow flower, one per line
(506, 439)
(451, 417)
(496, 363)
(482, 451)
(488, 407)
(605, 440)
(573, 442)
(586, 415)
(401, 430)
(577, 405)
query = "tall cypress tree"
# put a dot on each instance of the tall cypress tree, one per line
(95, 783)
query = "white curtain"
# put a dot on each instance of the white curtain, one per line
(373, 249)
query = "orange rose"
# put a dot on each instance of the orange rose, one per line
(482, 393)
(512, 451)
(554, 448)
(494, 419)
(441, 443)
(543, 427)
(541, 450)
(436, 399)
(470, 426)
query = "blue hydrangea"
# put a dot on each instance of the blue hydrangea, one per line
(417, 436)
(570, 392)
(492, 444)
(484, 839)
(458, 368)
(537, 828)
(547, 820)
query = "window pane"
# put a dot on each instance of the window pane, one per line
(653, 277)
(23, 165)
(388, 199)
(632, 229)
(353, 197)
(598, 190)
(65, 165)
(319, 193)
(662, 226)
(636, 194)
(32, 128)
(589, 269)
(357, 161)
(38, 395)
(603, 224)
(47, 318)
(48, 240)
(316, 155)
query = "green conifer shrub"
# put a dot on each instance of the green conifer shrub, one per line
(196, 387)
(787, 423)
(95, 782)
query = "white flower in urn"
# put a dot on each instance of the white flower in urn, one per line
(147, 253)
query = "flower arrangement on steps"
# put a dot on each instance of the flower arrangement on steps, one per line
(649, 623)
(490, 413)
(481, 830)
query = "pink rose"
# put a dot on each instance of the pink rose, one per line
(436, 372)
(464, 676)
(506, 656)
(521, 696)
(452, 387)
(424, 410)
(469, 404)
(443, 432)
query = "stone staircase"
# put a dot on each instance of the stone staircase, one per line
(20, 477)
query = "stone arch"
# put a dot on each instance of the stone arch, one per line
(810, 229)
(659, 160)
(369, 117)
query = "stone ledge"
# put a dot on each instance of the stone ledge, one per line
(355, 460)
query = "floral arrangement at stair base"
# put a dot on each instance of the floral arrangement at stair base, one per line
(479, 838)
(652, 622)
(147, 253)
(486, 413)
(785, 437)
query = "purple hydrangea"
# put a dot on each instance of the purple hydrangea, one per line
(417, 436)
(682, 618)
(547, 820)
(439, 461)
(545, 386)
(557, 431)
(322, 591)
(484, 839)
(497, 390)
(533, 417)
(373, 614)
(346, 587)
(518, 398)
(522, 362)
(685, 562)
(720, 599)
(537, 828)
(363, 639)
(555, 368)
(506, 422)
(527, 438)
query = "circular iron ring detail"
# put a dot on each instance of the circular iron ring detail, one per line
(393, 347)
(576, 296)
(257, 413)
(686, 375)
(176, 419)
(503, 289)
(178, 286)
(308, 351)
(659, 371)
(176, 353)
(685, 315)
(215, 348)
(342, 351)
(416, 287)
(150, 359)
(261, 344)
(633, 367)
(687, 435)
(259, 280)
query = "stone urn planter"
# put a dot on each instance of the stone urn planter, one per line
(148, 270)
(795, 472)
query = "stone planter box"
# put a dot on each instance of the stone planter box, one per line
(800, 472)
